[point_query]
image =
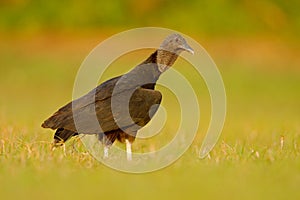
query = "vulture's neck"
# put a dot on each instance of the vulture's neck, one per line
(165, 59)
(161, 60)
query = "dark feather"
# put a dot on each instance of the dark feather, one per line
(140, 82)
(121, 106)
(61, 135)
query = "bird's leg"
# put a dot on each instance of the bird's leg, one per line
(128, 149)
(105, 153)
(105, 142)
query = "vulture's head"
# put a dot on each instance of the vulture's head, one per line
(175, 43)
(170, 49)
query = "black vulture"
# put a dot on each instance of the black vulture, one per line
(121, 105)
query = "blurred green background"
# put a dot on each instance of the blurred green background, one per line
(256, 46)
(219, 17)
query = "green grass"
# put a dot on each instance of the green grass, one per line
(257, 156)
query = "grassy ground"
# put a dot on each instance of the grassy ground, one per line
(257, 156)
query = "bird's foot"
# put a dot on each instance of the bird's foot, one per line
(128, 150)
(56, 144)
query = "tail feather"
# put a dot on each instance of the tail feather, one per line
(57, 120)
(62, 135)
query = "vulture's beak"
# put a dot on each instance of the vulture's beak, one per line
(187, 48)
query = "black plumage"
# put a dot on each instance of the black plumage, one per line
(137, 86)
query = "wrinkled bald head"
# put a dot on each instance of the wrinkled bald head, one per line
(170, 49)
(175, 43)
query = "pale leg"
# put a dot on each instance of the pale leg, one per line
(105, 153)
(128, 149)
